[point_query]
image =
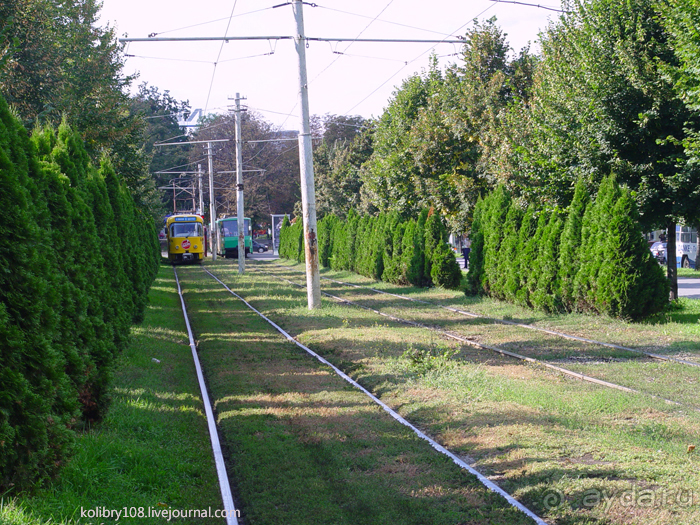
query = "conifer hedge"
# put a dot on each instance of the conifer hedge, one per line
(381, 247)
(76, 262)
(593, 258)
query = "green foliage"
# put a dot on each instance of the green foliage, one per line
(292, 240)
(444, 270)
(325, 239)
(569, 251)
(67, 304)
(594, 260)
(382, 247)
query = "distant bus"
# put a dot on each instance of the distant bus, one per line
(686, 245)
(228, 237)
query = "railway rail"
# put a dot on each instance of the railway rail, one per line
(520, 325)
(434, 444)
(224, 485)
(496, 349)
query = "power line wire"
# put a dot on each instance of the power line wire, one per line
(529, 5)
(419, 56)
(384, 21)
(221, 49)
(210, 22)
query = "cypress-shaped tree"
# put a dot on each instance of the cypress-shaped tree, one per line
(508, 253)
(569, 259)
(412, 255)
(546, 294)
(528, 256)
(492, 225)
(444, 270)
(630, 284)
(594, 231)
(475, 276)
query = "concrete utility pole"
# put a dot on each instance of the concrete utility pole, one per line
(212, 205)
(201, 195)
(239, 188)
(308, 196)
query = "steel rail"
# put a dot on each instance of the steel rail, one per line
(437, 446)
(521, 325)
(501, 351)
(226, 496)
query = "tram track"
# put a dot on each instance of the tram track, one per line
(494, 348)
(485, 481)
(473, 315)
(224, 485)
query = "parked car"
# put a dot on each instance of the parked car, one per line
(658, 250)
(259, 247)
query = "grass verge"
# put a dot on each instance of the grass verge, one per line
(152, 450)
(572, 451)
(306, 447)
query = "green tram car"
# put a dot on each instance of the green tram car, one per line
(228, 237)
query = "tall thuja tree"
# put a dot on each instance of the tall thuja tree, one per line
(325, 239)
(630, 284)
(605, 103)
(433, 237)
(412, 259)
(500, 201)
(594, 231)
(391, 252)
(38, 402)
(344, 234)
(528, 259)
(475, 277)
(394, 267)
(284, 238)
(508, 253)
(569, 251)
(514, 284)
(546, 294)
(84, 265)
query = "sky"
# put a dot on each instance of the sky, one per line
(347, 78)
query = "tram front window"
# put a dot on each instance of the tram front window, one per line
(186, 229)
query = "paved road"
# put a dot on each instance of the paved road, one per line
(689, 287)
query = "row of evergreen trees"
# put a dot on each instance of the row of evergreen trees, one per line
(76, 261)
(592, 258)
(383, 247)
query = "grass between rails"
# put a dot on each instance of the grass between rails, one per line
(307, 448)
(675, 332)
(152, 449)
(612, 457)
(639, 372)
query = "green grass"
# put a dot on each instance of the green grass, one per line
(537, 433)
(688, 272)
(306, 447)
(152, 449)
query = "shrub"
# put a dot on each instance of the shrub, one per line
(66, 301)
(444, 270)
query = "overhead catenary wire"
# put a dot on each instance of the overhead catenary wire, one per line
(221, 49)
(419, 56)
(212, 21)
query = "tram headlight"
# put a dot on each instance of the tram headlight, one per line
(177, 246)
